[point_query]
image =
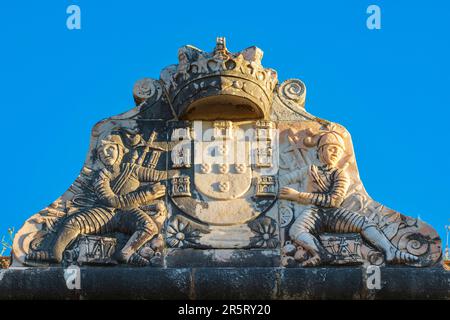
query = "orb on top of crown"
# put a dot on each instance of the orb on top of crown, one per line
(220, 85)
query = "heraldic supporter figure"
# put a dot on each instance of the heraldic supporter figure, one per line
(326, 188)
(117, 188)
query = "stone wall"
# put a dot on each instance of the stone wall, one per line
(226, 283)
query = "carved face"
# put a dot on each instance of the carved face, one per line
(109, 154)
(330, 154)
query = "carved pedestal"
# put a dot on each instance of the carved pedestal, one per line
(226, 283)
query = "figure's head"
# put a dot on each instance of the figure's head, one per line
(330, 148)
(111, 150)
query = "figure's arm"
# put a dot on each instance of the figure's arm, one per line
(332, 198)
(133, 199)
(293, 177)
(150, 175)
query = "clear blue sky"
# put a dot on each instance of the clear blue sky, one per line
(389, 87)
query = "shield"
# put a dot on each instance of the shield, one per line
(226, 184)
(221, 176)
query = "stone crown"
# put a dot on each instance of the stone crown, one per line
(219, 85)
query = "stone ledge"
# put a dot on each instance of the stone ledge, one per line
(225, 283)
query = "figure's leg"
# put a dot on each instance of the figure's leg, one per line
(142, 229)
(65, 235)
(343, 221)
(377, 238)
(302, 231)
(92, 221)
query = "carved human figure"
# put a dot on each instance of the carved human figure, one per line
(119, 196)
(326, 188)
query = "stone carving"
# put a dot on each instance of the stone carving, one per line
(220, 77)
(181, 234)
(323, 205)
(265, 230)
(118, 191)
(264, 134)
(266, 186)
(224, 138)
(290, 102)
(223, 130)
(143, 90)
(227, 192)
(293, 92)
(181, 186)
(92, 249)
(181, 153)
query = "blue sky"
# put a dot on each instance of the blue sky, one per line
(388, 87)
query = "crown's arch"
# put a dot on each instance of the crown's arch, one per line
(223, 107)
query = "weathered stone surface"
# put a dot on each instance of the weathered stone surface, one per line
(315, 283)
(35, 283)
(397, 283)
(238, 258)
(235, 283)
(226, 283)
(411, 283)
(138, 283)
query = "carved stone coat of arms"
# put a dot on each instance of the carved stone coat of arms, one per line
(219, 163)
